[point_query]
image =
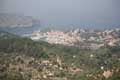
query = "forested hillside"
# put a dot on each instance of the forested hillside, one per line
(24, 59)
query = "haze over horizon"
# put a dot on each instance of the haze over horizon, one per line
(67, 13)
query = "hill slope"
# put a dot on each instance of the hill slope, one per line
(24, 59)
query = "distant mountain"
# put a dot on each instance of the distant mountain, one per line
(18, 24)
(13, 20)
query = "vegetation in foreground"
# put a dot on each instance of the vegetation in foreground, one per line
(24, 59)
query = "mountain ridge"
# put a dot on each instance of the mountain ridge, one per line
(14, 20)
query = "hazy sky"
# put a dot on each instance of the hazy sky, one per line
(66, 12)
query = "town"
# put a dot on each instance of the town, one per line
(83, 38)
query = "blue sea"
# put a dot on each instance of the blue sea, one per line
(27, 30)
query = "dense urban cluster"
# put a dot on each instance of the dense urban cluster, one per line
(79, 37)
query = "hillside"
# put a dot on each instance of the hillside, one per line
(24, 59)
